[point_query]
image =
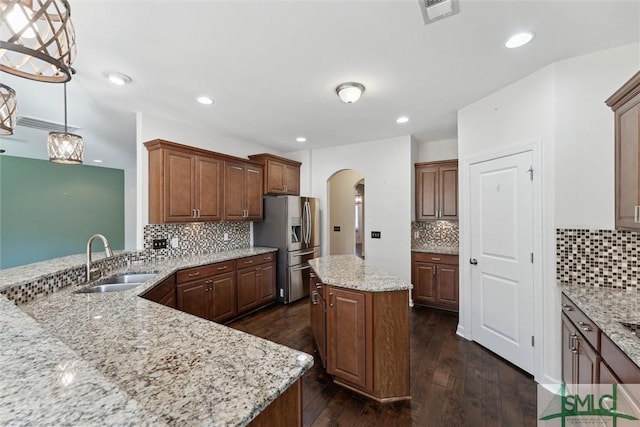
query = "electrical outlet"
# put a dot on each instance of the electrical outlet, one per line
(416, 235)
(159, 243)
(226, 237)
(376, 234)
(174, 242)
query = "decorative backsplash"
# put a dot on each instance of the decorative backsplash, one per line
(192, 239)
(438, 233)
(597, 257)
(196, 238)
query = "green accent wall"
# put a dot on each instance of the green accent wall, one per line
(50, 210)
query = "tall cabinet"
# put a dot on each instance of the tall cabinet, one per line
(625, 103)
(437, 190)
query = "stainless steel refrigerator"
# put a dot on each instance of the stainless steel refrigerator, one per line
(291, 225)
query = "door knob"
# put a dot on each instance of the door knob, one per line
(473, 261)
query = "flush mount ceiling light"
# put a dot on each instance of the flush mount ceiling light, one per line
(63, 147)
(519, 39)
(38, 41)
(350, 92)
(403, 119)
(118, 79)
(301, 139)
(8, 110)
(204, 100)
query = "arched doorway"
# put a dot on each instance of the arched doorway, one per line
(344, 212)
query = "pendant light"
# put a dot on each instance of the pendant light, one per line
(63, 147)
(37, 39)
(8, 110)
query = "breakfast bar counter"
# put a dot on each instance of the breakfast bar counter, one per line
(118, 359)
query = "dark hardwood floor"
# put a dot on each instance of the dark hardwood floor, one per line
(454, 382)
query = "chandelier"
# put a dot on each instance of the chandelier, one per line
(64, 147)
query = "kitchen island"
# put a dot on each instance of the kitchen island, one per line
(118, 359)
(360, 322)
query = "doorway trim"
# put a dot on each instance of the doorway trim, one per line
(465, 326)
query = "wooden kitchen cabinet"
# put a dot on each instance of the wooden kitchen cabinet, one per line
(208, 291)
(185, 185)
(318, 314)
(243, 191)
(281, 175)
(256, 279)
(625, 103)
(435, 279)
(580, 361)
(163, 293)
(436, 190)
(363, 339)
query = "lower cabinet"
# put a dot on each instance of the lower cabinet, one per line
(363, 339)
(588, 355)
(318, 317)
(256, 282)
(435, 280)
(164, 292)
(212, 295)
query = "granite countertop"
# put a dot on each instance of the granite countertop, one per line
(349, 271)
(607, 307)
(130, 361)
(436, 249)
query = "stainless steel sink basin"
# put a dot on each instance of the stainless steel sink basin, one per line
(119, 282)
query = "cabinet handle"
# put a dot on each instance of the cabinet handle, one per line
(197, 273)
(210, 281)
(576, 346)
(435, 259)
(198, 211)
(222, 268)
(314, 298)
(567, 307)
(571, 338)
(330, 299)
(585, 327)
(193, 215)
(249, 261)
(258, 271)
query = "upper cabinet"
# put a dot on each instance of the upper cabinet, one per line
(188, 184)
(243, 191)
(625, 103)
(281, 176)
(437, 190)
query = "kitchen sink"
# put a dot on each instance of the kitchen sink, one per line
(119, 282)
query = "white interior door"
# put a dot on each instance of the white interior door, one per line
(502, 246)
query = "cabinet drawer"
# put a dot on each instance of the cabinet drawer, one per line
(255, 260)
(208, 270)
(623, 368)
(586, 327)
(436, 258)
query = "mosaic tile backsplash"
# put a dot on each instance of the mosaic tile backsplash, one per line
(597, 257)
(196, 238)
(438, 233)
(192, 239)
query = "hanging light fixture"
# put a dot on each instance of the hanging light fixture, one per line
(37, 39)
(64, 147)
(8, 110)
(350, 92)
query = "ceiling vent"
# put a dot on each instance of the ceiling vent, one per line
(434, 10)
(46, 125)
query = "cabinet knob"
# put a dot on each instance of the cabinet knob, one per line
(567, 307)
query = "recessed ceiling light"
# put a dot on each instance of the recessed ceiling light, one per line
(98, 161)
(403, 119)
(118, 79)
(518, 40)
(204, 100)
(301, 139)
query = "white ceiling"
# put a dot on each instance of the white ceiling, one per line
(272, 67)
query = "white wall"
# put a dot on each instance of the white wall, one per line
(149, 127)
(585, 148)
(433, 151)
(560, 107)
(130, 208)
(387, 169)
(341, 208)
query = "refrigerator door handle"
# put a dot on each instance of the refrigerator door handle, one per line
(304, 253)
(307, 207)
(301, 268)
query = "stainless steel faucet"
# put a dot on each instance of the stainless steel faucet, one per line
(107, 251)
